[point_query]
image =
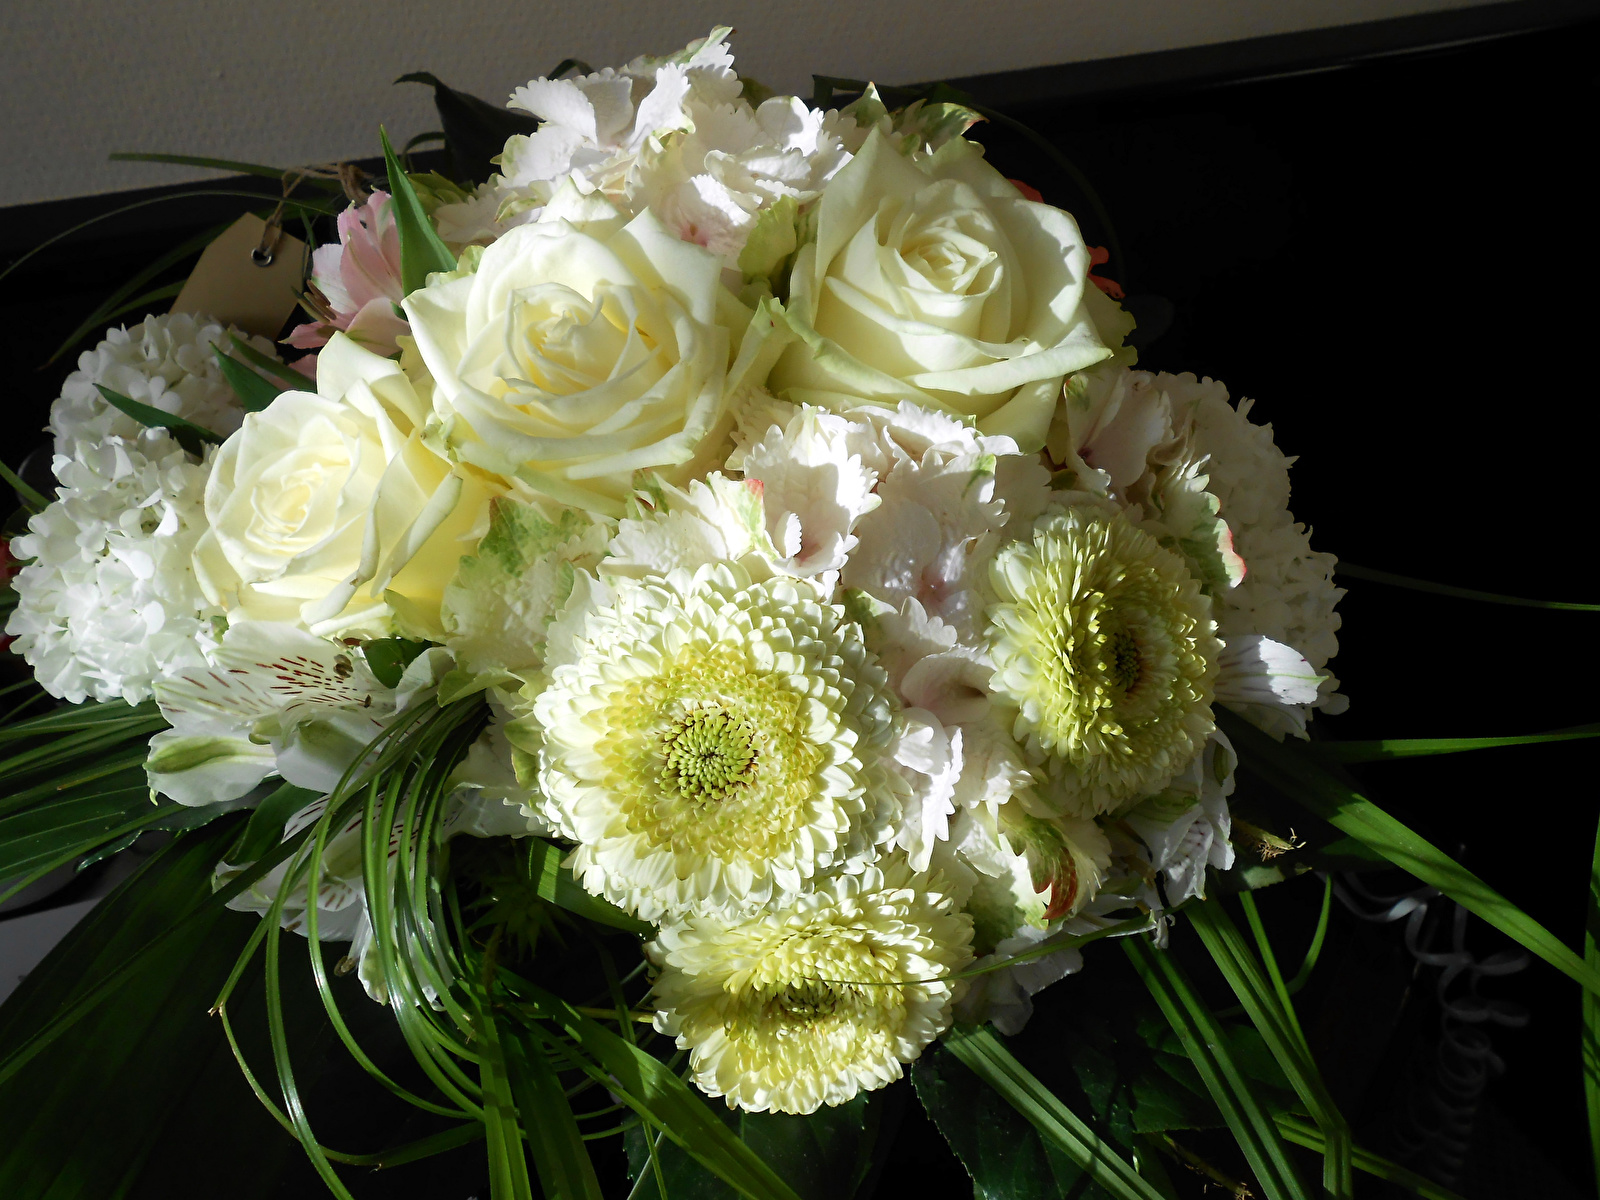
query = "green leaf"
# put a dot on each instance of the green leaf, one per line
(557, 886)
(90, 1116)
(254, 392)
(421, 250)
(292, 379)
(1294, 772)
(1444, 589)
(25, 493)
(824, 1156)
(983, 1053)
(389, 657)
(1591, 1009)
(41, 838)
(1388, 748)
(559, 1155)
(265, 828)
(475, 131)
(1270, 1010)
(189, 434)
(1225, 1078)
(646, 1085)
(1302, 1133)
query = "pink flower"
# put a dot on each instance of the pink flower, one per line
(356, 283)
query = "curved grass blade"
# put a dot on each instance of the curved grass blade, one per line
(297, 208)
(25, 492)
(222, 164)
(1460, 593)
(1301, 777)
(422, 252)
(1303, 1133)
(1389, 748)
(508, 1167)
(116, 304)
(986, 1056)
(1207, 1049)
(1271, 1012)
(1591, 1010)
(1314, 951)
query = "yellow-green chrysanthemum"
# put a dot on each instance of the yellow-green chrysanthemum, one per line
(809, 1004)
(1104, 643)
(715, 743)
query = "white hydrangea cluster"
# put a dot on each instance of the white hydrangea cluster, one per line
(165, 361)
(109, 600)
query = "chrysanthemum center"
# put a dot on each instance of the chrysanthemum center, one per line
(802, 1003)
(707, 755)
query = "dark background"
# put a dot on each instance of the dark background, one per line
(1397, 258)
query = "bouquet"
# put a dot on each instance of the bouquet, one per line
(712, 607)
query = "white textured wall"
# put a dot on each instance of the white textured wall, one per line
(299, 81)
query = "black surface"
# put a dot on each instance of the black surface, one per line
(1396, 259)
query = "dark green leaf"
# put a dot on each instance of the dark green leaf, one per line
(254, 392)
(1002, 1152)
(1388, 748)
(389, 658)
(559, 1155)
(291, 379)
(1590, 1045)
(267, 820)
(557, 886)
(475, 131)
(824, 1156)
(189, 434)
(421, 250)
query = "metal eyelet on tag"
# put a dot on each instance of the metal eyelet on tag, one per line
(250, 277)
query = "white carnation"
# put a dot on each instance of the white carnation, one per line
(110, 600)
(166, 362)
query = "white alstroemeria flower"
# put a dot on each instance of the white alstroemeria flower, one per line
(1266, 682)
(1185, 828)
(275, 700)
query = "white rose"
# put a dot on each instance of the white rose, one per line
(933, 280)
(574, 357)
(328, 511)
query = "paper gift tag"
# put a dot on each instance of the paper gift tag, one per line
(228, 284)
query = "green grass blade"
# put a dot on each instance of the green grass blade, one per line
(26, 493)
(1591, 1010)
(1390, 748)
(1269, 1009)
(116, 304)
(1444, 589)
(292, 379)
(508, 1166)
(559, 888)
(1207, 1049)
(224, 164)
(254, 392)
(1303, 1133)
(1314, 951)
(987, 1057)
(1294, 772)
(650, 1089)
(155, 418)
(422, 252)
(559, 1154)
